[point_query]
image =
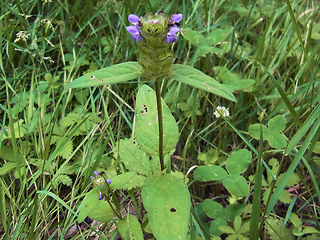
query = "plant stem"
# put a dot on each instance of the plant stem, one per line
(160, 122)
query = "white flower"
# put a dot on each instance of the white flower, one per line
(221, 111)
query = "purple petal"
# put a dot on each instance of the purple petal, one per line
(135, 33)
(174, 30)
(96, 173)
(134, 19)
(100, 197)
(109, 180)
(92, 177)
(175, 18)
(172, 34)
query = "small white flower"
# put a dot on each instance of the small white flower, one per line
(221, 111)
(22, 35)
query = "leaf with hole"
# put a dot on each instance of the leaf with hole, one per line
(133, 157)
(147, 127)
(167, 201)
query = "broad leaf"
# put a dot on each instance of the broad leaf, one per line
(215, 224)
(277, 123)
(198, 79)
(194, 37)
(209, 173)
(238, 161)
(127, 181)
(273, 133)
(130, 228)
(94, 208)
(118, 73)
(134, 158)
(233, 210)
(277, 140)
(254, 131)
(147, 127)
(212, 209)
(236, 185)
(167, 201)
(233, 80)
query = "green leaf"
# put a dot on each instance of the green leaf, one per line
(233, 210)
(236, 185)
(118, 73)
(316, 148)
(212, 209)
(194, 37)
(277, 140)
(209, 173)
(147, 127)
(20, 130)
(94, 208)
(254, 131)
(66, 150)
(62, 178)
(217, 35)
(133, 157)
(130, 228)
(209, 157)
(7, 167)
(6, 152)
(198, 79)
(272, 133)
(233, 80)
(167, 201)
(227, 229)
(215, 224)
(127, 181)
(238, 161)
(277, 123)
(277, 230)
(237, 222)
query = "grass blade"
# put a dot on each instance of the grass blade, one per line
(256, 209)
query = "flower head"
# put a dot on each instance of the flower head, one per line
(154, 25)
(221, 111)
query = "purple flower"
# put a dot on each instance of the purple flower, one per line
(134, 19)
(135, 33)
(92, 177)
(96, 173)
(109, 180)
(100, 196)
(172, 34)
(175, 18)
(134, 30)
